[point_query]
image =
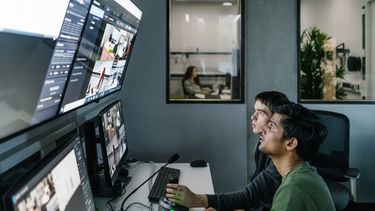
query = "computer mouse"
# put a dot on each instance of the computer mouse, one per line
(198, 163)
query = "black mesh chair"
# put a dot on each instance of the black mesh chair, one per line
(332, 159)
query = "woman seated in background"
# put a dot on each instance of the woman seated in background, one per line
(191, 82)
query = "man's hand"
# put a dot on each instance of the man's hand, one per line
(182, 195)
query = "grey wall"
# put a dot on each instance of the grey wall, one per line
(215, 132)
(271, 57)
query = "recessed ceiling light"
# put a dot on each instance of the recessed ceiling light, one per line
(187, 17)
(227, 3)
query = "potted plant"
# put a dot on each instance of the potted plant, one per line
(313, 59)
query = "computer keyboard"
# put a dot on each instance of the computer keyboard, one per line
(161, 181)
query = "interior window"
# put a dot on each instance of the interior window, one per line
(335, 51)
(205, 51)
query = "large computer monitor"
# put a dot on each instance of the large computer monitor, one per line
(106, 149)
(38, 42)
(103, 54)
(58, 182)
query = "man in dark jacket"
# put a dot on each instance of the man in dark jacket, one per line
(258, 194)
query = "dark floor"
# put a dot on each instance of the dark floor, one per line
(360, 207)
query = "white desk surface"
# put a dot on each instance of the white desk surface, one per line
(197, 180)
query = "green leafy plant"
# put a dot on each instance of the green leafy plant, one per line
(312, 58)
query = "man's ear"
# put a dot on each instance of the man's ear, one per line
(291, 144)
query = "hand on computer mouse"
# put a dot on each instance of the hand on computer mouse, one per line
(182, 195)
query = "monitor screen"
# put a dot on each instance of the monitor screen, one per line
(58, 182)
(103, 54)
(114, 139)
(38, 42)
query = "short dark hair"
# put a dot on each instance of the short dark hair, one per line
(302, 124)
(272, 98)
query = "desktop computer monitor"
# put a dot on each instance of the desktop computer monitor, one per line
(106, 148)
(114, 145)
(38, 42)
(58, 182)
(103, 54)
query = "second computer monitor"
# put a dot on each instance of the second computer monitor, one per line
(114, 139)
(106, 148)
(103, 54)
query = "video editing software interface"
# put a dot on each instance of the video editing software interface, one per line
(37, 50)
(41, 72)
(114, 136)
(102, 56)
(61, 184)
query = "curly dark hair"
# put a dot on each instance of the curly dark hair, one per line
(189, 73)
(302, 124)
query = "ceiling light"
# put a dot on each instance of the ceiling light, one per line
(227, 4)
(187, 17)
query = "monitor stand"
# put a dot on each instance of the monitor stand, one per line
(102, 189)
(122, 181)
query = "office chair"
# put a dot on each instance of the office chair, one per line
(332, 159)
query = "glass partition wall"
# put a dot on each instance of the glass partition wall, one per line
(335, 55)
(205, 63)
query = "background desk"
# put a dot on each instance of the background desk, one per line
(197, 179)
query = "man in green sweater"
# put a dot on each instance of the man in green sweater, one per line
(292, 138)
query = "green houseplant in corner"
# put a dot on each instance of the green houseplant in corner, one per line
(312, 60)
(312, 57)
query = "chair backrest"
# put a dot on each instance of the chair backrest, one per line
(334, 151)
(183, 87)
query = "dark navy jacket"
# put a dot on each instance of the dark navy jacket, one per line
(258, 193)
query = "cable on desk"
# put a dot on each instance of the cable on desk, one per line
(150, 183)
(137, 203)
(110, 205)
(114, 198)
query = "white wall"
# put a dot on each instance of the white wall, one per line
(210, 27)
(341, 19)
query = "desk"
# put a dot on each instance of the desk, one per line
(197, 179)
(214, 96)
